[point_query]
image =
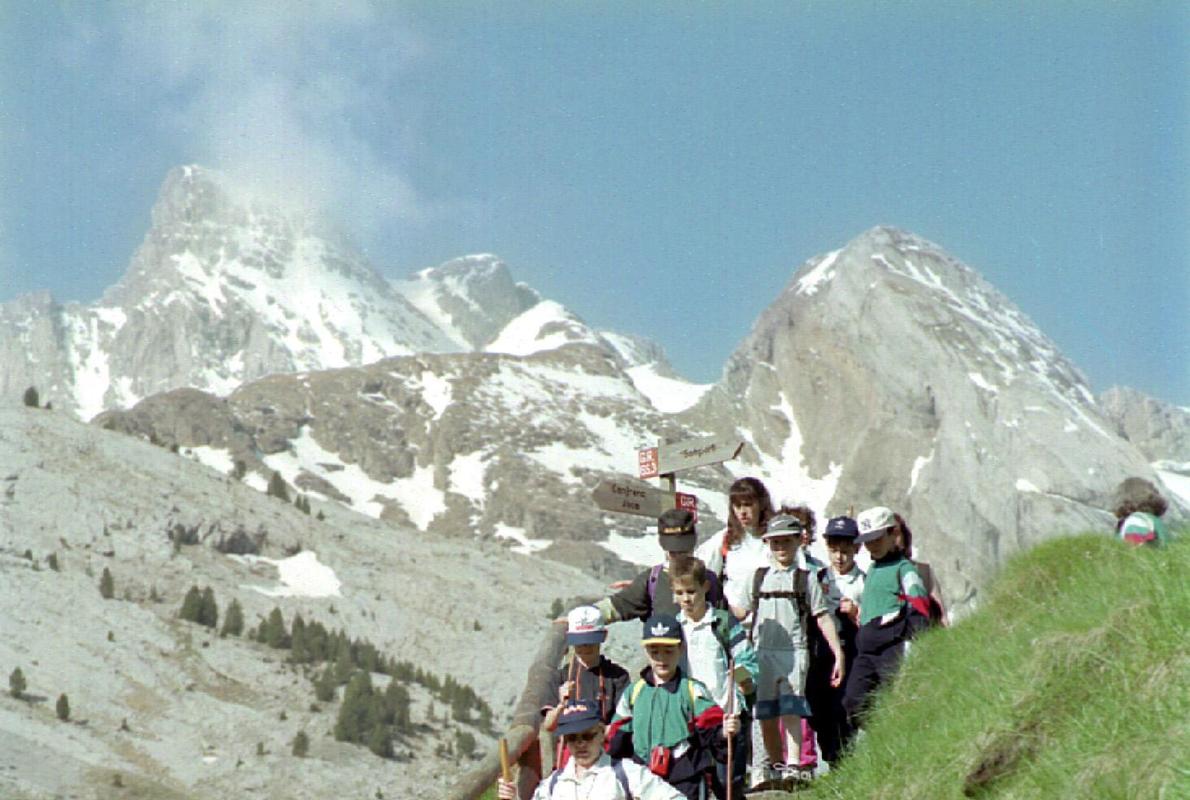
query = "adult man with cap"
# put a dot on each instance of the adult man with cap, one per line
(893, 607)
(591, 772)
(651, 592)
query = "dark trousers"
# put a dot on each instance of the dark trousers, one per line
(827, 715)
(878, 654)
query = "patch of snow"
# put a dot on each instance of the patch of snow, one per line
(786, 474)
(422, 293)
(523, 335)
(1070, 427)
(982, 383)
(217, 458)
(466, 476)
(1023, 485)
(416, 494)
(668, 395)
(1178, 484)
(918, 464)
(300, 575)
(525, 545)
(641, 550)
(254, 480)
(808, 283)
(436, 392)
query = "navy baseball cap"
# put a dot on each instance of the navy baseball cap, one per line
(578, 717)
(842, 528)
(662, 629)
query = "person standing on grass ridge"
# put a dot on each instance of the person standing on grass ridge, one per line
(1138, 509)
(784, 598)
(592, 773)
(903, 538)
(894, 606)
(650, 592)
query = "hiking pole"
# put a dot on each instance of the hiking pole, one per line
(730, 709)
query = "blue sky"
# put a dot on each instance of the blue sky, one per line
(660, 168)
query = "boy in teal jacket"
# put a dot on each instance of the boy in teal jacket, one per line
(668, 721)
(893, 607)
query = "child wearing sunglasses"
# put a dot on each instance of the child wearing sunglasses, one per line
(591, 772)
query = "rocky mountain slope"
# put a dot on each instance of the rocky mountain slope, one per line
(227, 288)
(177, 711)
(889, 372)
(1161, 431)
(464, 404)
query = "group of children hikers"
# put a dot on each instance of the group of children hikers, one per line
(746, 627)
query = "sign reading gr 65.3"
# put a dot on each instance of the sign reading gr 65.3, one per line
(646, 459)
(696, 453)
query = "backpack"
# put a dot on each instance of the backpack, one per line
(641, 684)
(617, 766)
(797, 596)
(714, 593)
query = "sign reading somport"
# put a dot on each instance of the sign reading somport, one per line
(696, 453)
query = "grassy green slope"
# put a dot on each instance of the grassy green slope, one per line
(1071, 681)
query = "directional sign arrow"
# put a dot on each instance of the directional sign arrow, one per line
(696, 453)
(631, 497)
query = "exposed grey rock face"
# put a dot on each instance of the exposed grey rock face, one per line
(476, 445)
(1159, 430)
(197, 704)
(889, 373)
(223, 289)
(473, 298)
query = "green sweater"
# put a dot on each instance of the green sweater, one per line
(892, 582)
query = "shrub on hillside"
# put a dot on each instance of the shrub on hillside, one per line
(16, 683)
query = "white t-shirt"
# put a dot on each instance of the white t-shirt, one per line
(600, 782)
(747, 556)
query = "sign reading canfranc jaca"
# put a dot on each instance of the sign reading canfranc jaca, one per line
(630, 497)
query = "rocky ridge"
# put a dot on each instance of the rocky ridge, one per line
(227, 288)
(177, 710)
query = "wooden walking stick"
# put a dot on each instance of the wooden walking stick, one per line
(730, 710)
(570, 701)
(505, 767)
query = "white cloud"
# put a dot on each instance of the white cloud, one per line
(296, 101)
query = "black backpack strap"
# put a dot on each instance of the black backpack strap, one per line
(622, 776)
(553, 781)
(757, 580)
(651, 586)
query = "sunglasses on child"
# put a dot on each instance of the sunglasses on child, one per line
(585, 736)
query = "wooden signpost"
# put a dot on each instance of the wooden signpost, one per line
(631, 497)
(626, 496)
